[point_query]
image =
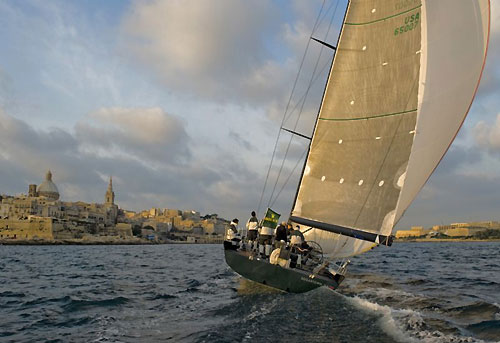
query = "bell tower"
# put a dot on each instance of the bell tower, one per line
(110, 195)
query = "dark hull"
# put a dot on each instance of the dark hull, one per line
(286, 279)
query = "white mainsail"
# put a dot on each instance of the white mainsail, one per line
(402, 81)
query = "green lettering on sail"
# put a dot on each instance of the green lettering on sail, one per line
(410, 22)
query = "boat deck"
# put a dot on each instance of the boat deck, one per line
(295, 280)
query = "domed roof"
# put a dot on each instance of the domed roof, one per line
(48, 188)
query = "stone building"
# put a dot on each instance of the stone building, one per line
(47, 188)
(67, 219)
(33, 228)
(416, 231)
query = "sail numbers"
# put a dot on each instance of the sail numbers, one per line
(402, 4)
(411, 22)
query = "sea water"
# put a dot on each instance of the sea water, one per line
(410, 292)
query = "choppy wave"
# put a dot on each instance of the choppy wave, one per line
(474, 310)
(186, 293)
(488, 330)
(80, 304)
(407, 325)
(162, 297)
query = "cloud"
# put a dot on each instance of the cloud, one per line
(146, 150)
(463, 188)
(213, 48)
(490, 82)
(144, 134)
(455, 197)
(238, 139)
(228, 51)
(487, 136)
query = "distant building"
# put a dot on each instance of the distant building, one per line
(67, 219)
(416, 231)
(47, 188)
(451, 230)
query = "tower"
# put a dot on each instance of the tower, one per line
(32, 191)
(110, 195)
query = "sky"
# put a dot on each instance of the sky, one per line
(181, 102)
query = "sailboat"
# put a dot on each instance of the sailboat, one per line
(403, 77)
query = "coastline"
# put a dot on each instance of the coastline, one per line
(437, 240)
(147, 242)
(94, 242)
(76, 242)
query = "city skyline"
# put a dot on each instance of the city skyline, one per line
(181, 103)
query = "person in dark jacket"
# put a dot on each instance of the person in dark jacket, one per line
(280, 234)
(289, 230)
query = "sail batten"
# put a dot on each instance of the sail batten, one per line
(370, 117)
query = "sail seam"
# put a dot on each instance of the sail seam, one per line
(382, 19)
(370, 117)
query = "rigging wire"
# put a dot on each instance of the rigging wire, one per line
(289, 176)
(288, 114)
(326, 64)
(301, 109)
(288, 104)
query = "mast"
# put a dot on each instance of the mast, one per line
(321, 103)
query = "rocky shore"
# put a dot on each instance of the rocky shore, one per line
(431, 240)
(75, 241)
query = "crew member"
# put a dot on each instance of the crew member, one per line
(280, 234)
(232, 233)
(297, 237)
(252, 226)
(265, 241)
(289, 230)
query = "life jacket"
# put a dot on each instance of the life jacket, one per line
(295, 240)
(296, 237)
(267, 231)
(232, 232)
(252, 223)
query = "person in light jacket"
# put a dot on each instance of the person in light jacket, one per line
(232, 233)
(266, 235)
(252, 226)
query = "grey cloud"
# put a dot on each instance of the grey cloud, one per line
(238, 139)
(454, 193)
(208, 47)
(455, 198)
(222, 183)
(456, 157)
(225, 50)
(487, 136)
(296, 149)
(145, 134)
(490, 82)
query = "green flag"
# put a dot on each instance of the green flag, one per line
(271, 219)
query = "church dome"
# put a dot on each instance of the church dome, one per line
(48, 188)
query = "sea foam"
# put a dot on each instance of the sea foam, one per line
(406, 325)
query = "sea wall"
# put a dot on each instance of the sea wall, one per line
(35, 228)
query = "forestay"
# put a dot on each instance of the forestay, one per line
(401, 84)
